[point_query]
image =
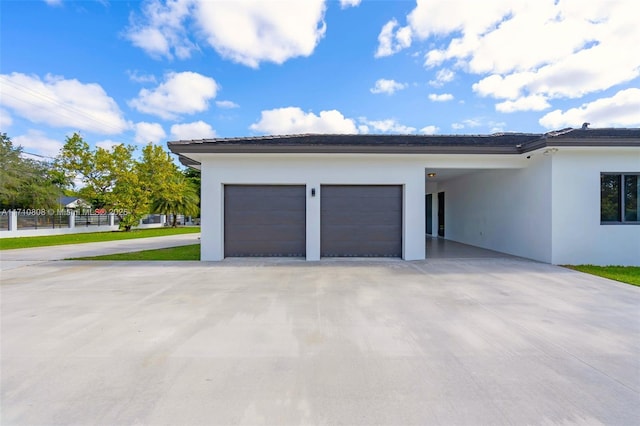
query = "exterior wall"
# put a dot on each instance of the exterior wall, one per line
(540, 206)
(578, 236)
(507, 210)
(313, 171)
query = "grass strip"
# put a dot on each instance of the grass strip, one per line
(625, 274)
(190, 252)
(91, 237)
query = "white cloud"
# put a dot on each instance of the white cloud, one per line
(195, 130)
(389, 125)
(444, 97)
(470, 122)
(107, 144)
(53, 2)
(141, 78)
(619, 110)
(497, 127)
(578, 48)
(161, 32)
(292, 120)
(527, 103)
(62, 103)
(349, 3)
(227, 104)
(429, 130)
(149, 132)
(35, 141)
(509, 87)
(387, 86)
(443, 76)
(391, 41)
(152, 41)
(5, 120)
(271, 31)
(180, 93)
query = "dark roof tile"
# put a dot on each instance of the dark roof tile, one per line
(498, 143)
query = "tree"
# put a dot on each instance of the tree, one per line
(94, 169)
(193, 175)
(26, 183)
(171, 192)
(110, 178)
(116, 181)
(155, 169)
(179, 197)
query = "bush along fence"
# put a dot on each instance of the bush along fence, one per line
(26, 223)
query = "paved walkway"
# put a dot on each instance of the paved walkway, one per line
(10, 259)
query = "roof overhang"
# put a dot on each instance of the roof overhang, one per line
(502, 143)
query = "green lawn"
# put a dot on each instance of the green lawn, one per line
(625, 274)
(190, 252)
(91, 237)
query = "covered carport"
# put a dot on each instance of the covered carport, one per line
(499, 203)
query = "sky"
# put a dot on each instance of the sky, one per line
(136, 72)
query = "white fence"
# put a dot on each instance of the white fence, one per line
(28, 223)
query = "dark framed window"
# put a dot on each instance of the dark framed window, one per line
(619, 193)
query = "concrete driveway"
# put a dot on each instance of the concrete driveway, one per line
(451, 342)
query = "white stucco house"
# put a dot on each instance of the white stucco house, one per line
(564, 197)
(72, 203)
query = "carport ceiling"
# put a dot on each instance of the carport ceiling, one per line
(446, 174)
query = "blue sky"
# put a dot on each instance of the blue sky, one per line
(138, 72)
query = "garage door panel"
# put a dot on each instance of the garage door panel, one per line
(361, 220)
(257, 232)
(364, 191)
(266, 249)
(264, 204)
(349, 249)
(371, 218)
(259, 202)
(264, 220)
(345, 233)
(258, 217)
(364, 203)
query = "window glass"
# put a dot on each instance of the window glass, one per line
(610, 198)
(631, 190)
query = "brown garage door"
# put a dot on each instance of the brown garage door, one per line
(264, 220)
(361, 220)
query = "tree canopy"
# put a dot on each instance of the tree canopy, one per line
(171, 192)
(26, 183)
(117, 182)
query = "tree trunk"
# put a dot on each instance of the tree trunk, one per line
(175, 221)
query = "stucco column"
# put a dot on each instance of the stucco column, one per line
(313, 221)
(413, 228)
(72, 219)
(13, 220)
(212, 220)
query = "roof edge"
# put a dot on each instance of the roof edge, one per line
(497, 143)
